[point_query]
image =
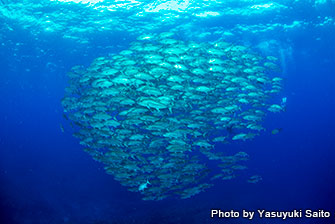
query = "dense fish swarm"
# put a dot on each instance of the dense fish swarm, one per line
(153, 113)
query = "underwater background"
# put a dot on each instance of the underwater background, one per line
(46, 177)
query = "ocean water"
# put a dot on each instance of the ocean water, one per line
(46, 177)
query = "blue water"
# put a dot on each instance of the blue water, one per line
(46, 177)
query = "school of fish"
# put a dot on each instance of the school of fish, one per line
(153, 113)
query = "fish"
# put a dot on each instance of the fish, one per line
(153, 113)
(61, 127)
(276, 131)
